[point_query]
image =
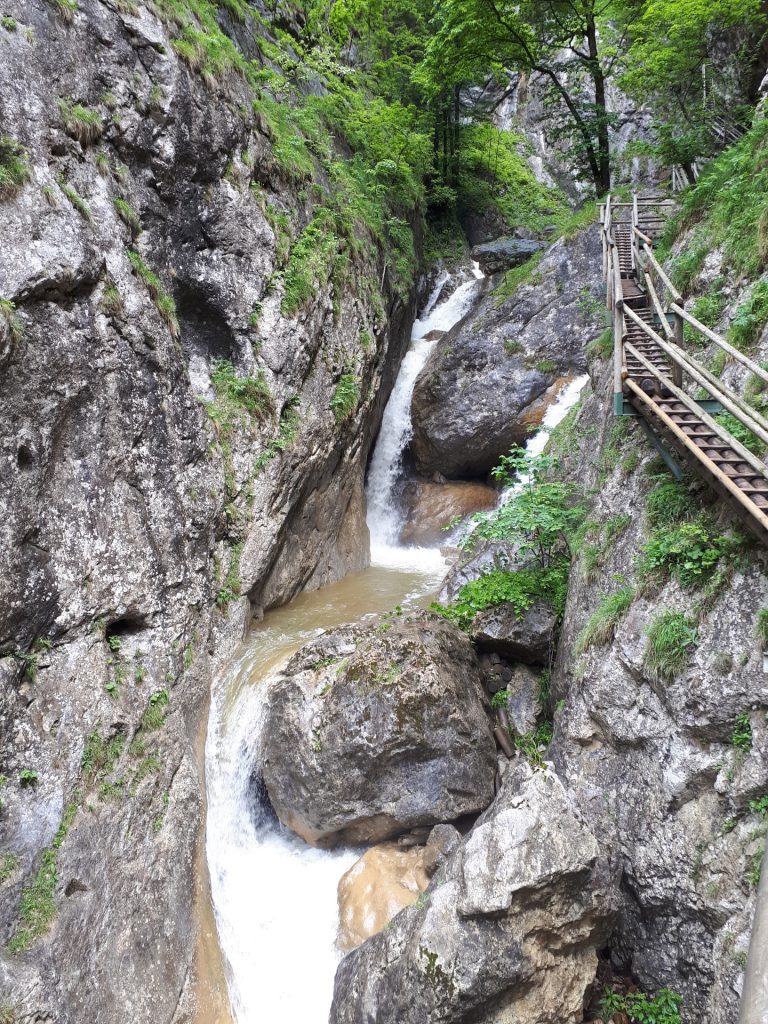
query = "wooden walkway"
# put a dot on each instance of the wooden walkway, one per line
(652, 369)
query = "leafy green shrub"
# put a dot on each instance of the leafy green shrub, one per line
(760, 806)
(601, 625)
(750, 318)
(15, 171)
(663, 1008)
(689, 551)
(742, 433)
(741, 738)
(8, 23)
(670, 640)
(28, 777)
(521, 588)
(541, 518)
(80, 122)
(761, 627)
(345, 397)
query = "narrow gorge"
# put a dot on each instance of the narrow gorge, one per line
(384, 595)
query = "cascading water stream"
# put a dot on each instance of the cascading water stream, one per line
(274, 897)
(385, 518)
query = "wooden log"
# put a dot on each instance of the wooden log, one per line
(502, 738)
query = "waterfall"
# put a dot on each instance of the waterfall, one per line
(274, 897)
(385, 517)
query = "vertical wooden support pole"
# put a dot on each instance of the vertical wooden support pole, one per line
(677, 370)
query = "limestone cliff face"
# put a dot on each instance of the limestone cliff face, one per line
(653, 762)
(145, 486)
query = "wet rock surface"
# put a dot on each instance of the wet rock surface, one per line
(385, 880)
(529, 637)
(505, 253)
(371, 731)
(509, 929)
(432, 507)
(490, 379)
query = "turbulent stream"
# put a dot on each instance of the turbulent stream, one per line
(274, 897)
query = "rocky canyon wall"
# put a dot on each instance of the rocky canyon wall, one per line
(178, 436)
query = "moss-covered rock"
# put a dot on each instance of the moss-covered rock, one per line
(372, 731)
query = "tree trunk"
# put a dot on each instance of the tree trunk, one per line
(603, 180)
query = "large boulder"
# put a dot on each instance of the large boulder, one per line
(431, 507)
(490, 380)
(372, 731)
(529, 637)
(505, 253)
(509, 929)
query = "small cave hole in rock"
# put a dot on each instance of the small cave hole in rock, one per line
(127, 626)
(206, 335)
(24, 457)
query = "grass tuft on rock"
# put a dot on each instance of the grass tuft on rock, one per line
(66, 8)
(345, 397)
(128, 216)
(10, 324)
(602, 624)
(80, 122)
(38, 903)
(15, 171)
(251, 394)
(164, 303)
(670, 641)
(75, 198)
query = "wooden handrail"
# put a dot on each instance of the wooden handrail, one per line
(724, 345)
(705, 418)
(657, 306)
(732, 402)
(644, 238)
(659, 270)
(715, 470)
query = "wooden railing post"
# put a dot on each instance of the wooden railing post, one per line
(677, 370)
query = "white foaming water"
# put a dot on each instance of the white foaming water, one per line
(555, 414)
(385, 519)
(274, 897)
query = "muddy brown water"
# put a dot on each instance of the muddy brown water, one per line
(268, 645)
